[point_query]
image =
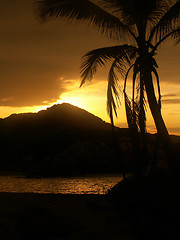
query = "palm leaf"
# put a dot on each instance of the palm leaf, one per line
(135, 72)
(142, 119)
(176, 35)
(131, 106)
(168, 22)
(135, 109)
(129, 113)
(160, 8)
(126, 76)
(113, 89)
(173, 34)
(141, 106)
(82, 10)
(98, 58)
(158, 85)
(134, 11)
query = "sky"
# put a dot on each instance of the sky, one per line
(40, 66)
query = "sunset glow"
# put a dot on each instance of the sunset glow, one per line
(92, 98)
(89, 119)
(41, 67)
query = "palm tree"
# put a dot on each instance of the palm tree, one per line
(140, 27)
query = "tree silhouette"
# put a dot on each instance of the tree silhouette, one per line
(140, 27)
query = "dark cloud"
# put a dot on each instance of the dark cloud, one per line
(169, 62)
(29, 83)
(169, 95)
(34, 56)
(171, 101)
(175, 130)
(171, 98)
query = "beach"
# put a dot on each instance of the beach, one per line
(58, 216)
(50, 216)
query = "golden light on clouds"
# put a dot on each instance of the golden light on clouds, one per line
(92, 98)
(40, 66)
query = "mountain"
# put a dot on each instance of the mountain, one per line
(58, 117)
(63, 138)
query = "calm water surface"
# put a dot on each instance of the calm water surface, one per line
(76, 185)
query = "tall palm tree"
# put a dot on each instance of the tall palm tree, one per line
(140, 27)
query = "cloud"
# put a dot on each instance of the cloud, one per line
(171, 98)
(175, 130)
(169, 95)
(38, 60)
(169, 61)
(30, 83)
(171, 101)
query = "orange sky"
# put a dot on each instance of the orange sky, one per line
(40, 66)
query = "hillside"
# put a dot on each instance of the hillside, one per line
(60, 116)
(50, 122)
(61, 139)
(66, 140)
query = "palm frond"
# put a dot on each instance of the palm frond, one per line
(154, 63)
(98, 58)
(131, 106)
(158, 85)
(142, 119)
(126, 76)
(173, 34)
(136, 70)
(176, 35)
(83, 10)
(134, 12)
(141, 107)
(135, 108)
(160, 8)
(137, 104)
(113, 90)
(129, 113)
(133, 95)
(168, 22)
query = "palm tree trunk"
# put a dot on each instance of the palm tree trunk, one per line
(156, 113)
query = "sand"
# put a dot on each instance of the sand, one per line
(58, 216)
(49, 216)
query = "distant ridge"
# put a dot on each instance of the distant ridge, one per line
(62, 140)
(62, 116)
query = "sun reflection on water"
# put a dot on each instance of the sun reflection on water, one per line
(76, 185)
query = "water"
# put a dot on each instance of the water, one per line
(77, 185)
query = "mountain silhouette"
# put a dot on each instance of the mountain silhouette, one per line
(62, 133)
(58, 117)
(64, 140)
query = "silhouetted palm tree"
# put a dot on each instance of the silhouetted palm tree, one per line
(142, 25)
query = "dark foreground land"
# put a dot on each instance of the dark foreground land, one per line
(146, 215)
